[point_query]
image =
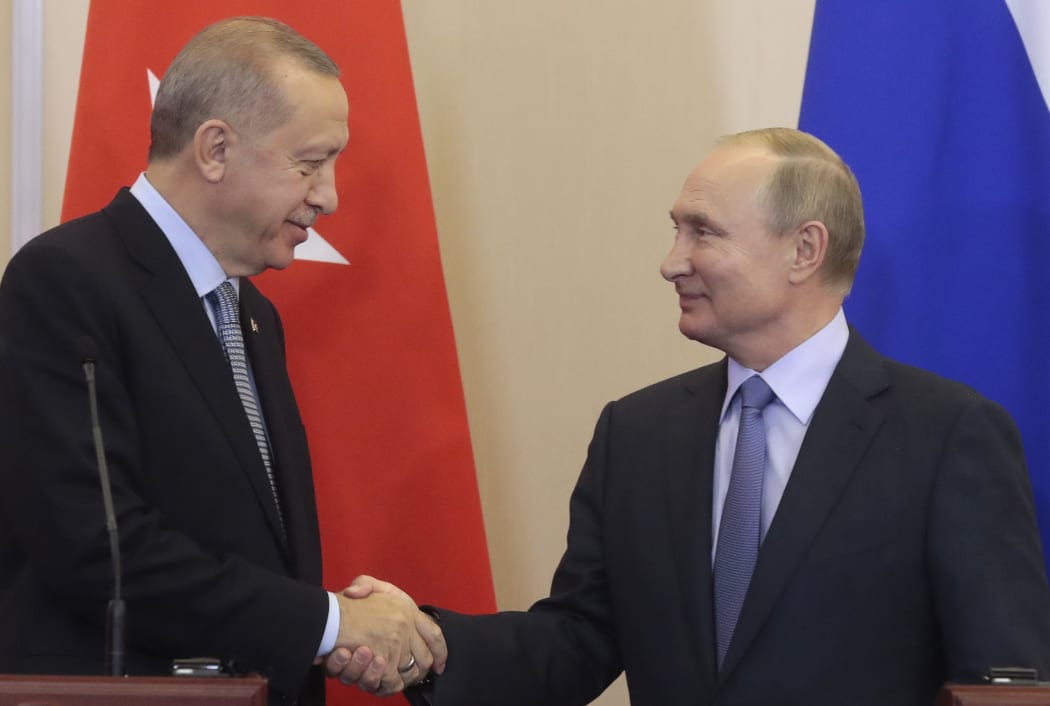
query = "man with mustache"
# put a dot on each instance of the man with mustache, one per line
(207, 454)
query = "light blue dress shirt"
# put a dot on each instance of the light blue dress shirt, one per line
(798, 380)
(206, 274)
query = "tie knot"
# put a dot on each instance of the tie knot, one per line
(225, 293)
(224, 302)
(755, 393)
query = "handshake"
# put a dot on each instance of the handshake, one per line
(385, 642)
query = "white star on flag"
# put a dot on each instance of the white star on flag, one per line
(316, 248)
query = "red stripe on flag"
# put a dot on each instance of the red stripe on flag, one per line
(370, 345)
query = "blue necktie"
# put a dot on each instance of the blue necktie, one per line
(739, 532)
(223, 300)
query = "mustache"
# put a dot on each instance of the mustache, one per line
(305, 218)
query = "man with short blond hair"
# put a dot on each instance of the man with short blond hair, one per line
(803, 522)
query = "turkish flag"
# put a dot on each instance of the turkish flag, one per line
(370, 344)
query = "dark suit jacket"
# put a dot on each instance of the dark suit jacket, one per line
(205, 568)
(904, 553)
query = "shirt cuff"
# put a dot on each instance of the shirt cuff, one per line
(331, 628)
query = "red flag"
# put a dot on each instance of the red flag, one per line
(370, 344)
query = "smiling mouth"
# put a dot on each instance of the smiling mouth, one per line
(686, 301)
(302, 238)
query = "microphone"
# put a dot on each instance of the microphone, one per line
(115, 611)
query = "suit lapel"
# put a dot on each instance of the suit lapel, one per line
(264, 342)
(840, 432)
(179, 313)
(692, 429)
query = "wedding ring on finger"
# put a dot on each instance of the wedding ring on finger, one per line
(408, 667)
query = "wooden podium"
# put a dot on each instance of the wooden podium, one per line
(994, 695)
(50, 690)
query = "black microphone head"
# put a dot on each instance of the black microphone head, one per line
(86, 349)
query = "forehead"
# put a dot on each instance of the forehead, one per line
(318, 121)
(725, 181)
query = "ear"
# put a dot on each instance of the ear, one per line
(211, 146)
(811, 248)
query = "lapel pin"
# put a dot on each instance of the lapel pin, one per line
(255, 326)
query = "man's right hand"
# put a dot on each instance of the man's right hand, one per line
(385, 642)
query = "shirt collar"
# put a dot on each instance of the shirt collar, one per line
(800, 377)
(204, 270)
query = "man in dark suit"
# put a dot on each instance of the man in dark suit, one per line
(887, 544)
(207, 454)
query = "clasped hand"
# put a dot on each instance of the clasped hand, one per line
(385, 642)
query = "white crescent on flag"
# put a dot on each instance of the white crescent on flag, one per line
(316, 248)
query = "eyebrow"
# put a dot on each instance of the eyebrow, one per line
(320, 152)
(695, 219)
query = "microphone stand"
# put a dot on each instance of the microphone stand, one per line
(115, 610)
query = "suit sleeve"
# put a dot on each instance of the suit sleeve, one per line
(184, 598)
(986, 564)
(563, 651)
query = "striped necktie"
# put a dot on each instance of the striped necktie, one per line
(223, 301)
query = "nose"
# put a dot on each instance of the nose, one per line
(677, 263)
(323, 195)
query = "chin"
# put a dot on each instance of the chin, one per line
(280, 265)
(695, 331)
(688, 326)
(281, 260)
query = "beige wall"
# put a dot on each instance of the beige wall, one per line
(557, 136)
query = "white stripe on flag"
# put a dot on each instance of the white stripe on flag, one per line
(1032, 18)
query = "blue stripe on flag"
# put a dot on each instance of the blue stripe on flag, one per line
(936, 108)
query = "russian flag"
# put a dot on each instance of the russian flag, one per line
(938, 108)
